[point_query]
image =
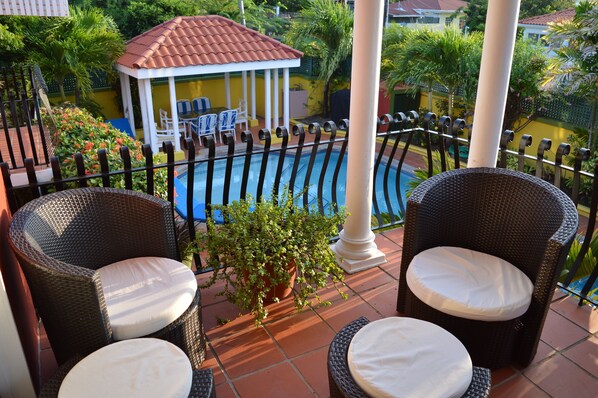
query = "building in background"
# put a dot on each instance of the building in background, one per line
(536, 28)
(432, 14)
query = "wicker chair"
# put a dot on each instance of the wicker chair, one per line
(519, 218)
(62, 239)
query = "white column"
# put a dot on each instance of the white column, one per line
(495, 69)
(125, 88)
(147, 139)
(15, 380)
(356, 245)
(149, 104)
(174, 113)
(130, 112)
(276, 102)
(285, 98)
(252, 95)
(244, 78)
(227, 88)
(267, 99)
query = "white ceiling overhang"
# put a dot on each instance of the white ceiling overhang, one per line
(146, 73)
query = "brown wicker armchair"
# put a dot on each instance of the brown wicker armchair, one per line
(62, 239)
(519, 218)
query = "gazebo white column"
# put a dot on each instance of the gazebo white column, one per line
(285, 98)
(275, 102)
(174, 112)
(244, 79)
(147, 139)
(495, 70)
(267, 99)
(149, 127)
(227, 88)
(356, 245)
(252, 95)
(125, 89)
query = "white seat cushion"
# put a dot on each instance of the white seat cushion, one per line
(145, 294)
(406, 357)
(469, 284)
(132, 368)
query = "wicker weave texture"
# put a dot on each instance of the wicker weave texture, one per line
(508, 214)
(61, 239)
(342, 384)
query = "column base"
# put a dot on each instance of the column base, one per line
(353, 266)
(354, 256)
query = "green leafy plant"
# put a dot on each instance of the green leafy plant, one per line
(258, 245)
(75, 130)
(589, 260)
(421, 175)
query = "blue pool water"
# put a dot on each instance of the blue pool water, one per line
(237, 174)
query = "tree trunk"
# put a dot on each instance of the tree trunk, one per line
(451, 97)
(61, 89)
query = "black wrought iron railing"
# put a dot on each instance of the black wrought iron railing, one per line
(22, 131)
(309, 161)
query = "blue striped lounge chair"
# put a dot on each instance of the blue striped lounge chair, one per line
(201, 104)
(227, 121)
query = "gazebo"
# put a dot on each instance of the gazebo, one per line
(199, 45)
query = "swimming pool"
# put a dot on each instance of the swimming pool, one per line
(237, 174)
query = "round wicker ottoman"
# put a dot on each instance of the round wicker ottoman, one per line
(342, 383)
(135, 367)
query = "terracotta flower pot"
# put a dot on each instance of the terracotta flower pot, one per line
(282, 290)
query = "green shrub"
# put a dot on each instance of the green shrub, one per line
(77, 131)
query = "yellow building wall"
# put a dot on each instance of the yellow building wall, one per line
(107, 99)
(538, 129)
(214, 89)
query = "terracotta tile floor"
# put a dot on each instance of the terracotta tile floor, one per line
(286, 357)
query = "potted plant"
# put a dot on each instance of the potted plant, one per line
(268, 249)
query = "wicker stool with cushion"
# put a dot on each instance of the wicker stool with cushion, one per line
(467, 225)
(76, 249)
(342, 383)
(136, 367)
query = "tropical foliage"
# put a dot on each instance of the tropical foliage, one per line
(324, 30)
(525, 84)
(76, 131)
(477, 9)
(85, 41)
(575, 67)
(588, 262)
(447, 57)
(139, 16)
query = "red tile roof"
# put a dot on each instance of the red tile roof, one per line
(202, 40)
(413, 7)
(563, 15)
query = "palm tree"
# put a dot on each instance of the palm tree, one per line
(445, 57)
(402, 48)
(574, 69)
(324, 31)
(77, 45)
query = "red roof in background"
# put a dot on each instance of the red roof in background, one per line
(563, 15)
(202, 40)
(409, 7)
